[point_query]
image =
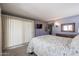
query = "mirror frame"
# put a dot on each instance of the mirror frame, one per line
(73, 24)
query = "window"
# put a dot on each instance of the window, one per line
(69, 27)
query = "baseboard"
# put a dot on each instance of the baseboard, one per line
(12, 47)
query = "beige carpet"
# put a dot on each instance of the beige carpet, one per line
(20, 51)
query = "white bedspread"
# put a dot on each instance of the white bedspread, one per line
(49, 45)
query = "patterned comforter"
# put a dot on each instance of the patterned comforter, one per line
(49, 45)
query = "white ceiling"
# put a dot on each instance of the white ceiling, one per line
(42, 11)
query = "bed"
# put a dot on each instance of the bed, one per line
(49, 45)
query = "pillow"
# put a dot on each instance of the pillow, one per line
(75, 42)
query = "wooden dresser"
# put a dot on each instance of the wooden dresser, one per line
(66, 35)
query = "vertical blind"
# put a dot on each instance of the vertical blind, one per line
(17, 30)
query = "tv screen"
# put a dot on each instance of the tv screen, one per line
(39, 26)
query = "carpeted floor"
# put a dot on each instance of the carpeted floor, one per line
(20, 51)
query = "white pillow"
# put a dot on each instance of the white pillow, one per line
(75, 42)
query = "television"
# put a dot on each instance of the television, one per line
(39, 26)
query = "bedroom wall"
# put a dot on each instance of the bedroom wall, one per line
(72, 19)
(0, 34)
(40, 32)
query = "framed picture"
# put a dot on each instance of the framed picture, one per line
(39, 26)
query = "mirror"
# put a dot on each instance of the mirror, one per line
(68, 27)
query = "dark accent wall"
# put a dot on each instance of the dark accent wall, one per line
(0, 33)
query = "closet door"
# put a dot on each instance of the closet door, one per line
(28, 30)
(17, 31)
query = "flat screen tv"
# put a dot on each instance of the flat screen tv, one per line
(39, 26)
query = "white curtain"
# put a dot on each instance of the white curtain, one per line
(17, 30)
